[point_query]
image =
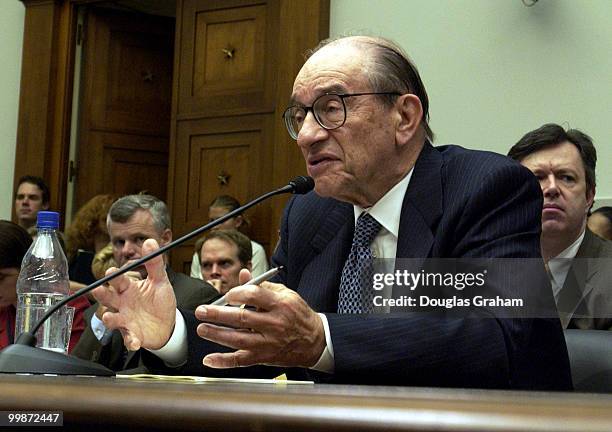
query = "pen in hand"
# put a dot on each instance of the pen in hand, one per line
(221, 301)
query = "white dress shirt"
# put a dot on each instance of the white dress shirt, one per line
(559, 266)
(386, 211)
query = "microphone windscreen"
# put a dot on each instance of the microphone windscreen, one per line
(302, 184)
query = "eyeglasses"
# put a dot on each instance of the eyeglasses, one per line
(329, 110)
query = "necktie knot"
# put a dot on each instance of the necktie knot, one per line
(365, 230)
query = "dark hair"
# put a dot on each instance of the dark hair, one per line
(225, 201)
(392, 70)
(230, 203)
(604, 211)
(552, 134)
(245, 249)
(14, 243)
(46, 195)
(124, 208)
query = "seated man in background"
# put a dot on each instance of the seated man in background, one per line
(131, 220)
(578, 261)
(600, 222)
(221, 206)
(31, 196)
(359, 114)
(222, 254)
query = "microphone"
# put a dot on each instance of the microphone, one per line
(24, 357)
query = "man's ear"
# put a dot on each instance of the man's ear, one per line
(590, 197)
(45, 206)
(409, 113)
(239, 221)
(166, 237)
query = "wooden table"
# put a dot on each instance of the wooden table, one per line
(115, 405)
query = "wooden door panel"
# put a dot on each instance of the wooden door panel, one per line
(228, 44)
(211, 150)
(220, 163)
(227, 58)
(119, 161)
(126, 105)
(131, 72)
(128, 172)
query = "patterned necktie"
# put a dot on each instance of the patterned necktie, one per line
(356, 291)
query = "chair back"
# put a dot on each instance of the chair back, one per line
(590, 355)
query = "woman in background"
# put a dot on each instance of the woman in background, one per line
(221, 206)
(14, 243)
(600, 222)
(86, 236)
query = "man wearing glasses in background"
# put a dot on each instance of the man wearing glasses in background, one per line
(359, 114)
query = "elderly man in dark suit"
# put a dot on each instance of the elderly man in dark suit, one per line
(359, 114)
(579, 262)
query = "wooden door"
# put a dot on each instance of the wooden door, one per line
(125, 109)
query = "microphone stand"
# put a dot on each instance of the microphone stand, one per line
(24, 357)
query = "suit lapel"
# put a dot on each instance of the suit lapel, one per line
(330, 244)
(422, 206)
(577, 286)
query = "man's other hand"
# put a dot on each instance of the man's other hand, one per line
(142, 310)
(282, 331)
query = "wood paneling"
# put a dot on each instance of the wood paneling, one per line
(227, 58)
(126, 164)
(125, 115)
(234, 148)
(129, 70)
(46, 95)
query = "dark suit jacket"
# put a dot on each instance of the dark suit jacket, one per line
(190, 293)
(459, 203)
(585, 301)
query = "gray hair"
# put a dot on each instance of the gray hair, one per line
(391, 70)
(124, 208)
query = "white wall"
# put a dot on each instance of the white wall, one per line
(11, 40)
(495, 69)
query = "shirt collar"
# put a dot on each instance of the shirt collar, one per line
(559, 265)
(387, 210)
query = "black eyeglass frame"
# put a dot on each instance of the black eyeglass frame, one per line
(342, 96)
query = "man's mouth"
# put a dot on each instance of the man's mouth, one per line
(318, 163)
(551, 210)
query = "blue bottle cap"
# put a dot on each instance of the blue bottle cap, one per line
(47, 219)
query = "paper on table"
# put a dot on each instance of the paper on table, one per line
(204, 380)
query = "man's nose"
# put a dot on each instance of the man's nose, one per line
(129, 249)
(311, 131)
(549, 186)
(216, 270)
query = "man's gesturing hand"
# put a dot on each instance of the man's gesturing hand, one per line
(282, 331)
(142, 310)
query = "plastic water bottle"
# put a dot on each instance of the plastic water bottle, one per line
(43, 281)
